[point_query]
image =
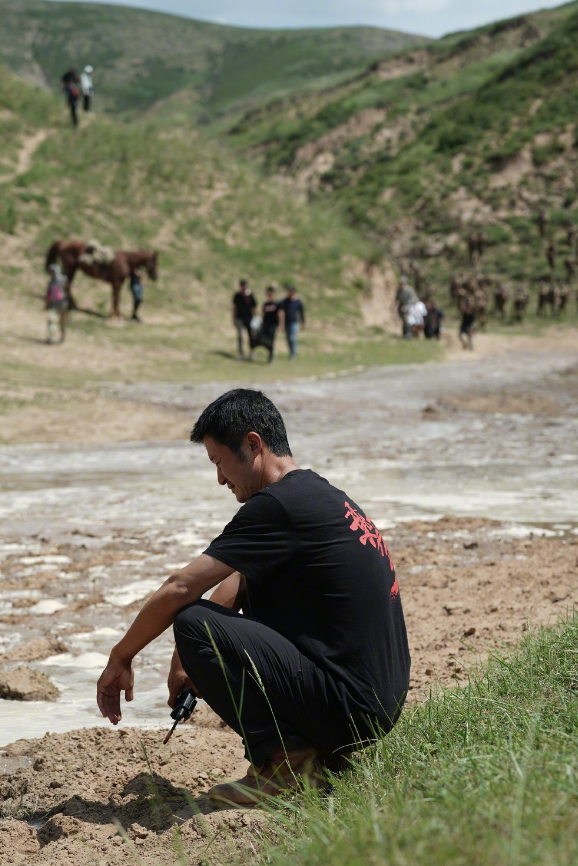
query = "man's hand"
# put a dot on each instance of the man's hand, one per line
(117, 677)
(182, 588)
(178, 680)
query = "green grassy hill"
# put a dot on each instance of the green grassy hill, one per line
(475, 130)
(141, 57)
(212, 218)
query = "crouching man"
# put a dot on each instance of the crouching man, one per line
(318, 663)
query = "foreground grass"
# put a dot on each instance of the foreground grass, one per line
(484, 774)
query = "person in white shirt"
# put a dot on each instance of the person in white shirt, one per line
(416, 316)
(87, 86)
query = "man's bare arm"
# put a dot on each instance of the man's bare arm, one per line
(230, 592)
(182, 588)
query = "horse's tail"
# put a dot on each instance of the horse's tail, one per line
(52, 254)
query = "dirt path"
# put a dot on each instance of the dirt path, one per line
(26, 154)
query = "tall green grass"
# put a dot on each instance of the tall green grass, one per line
(480, 775)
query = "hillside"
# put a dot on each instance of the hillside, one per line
(212, 219)
(141, 57)
(474, 131)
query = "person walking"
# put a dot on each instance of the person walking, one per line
(70, 84)
(270, 322)
(137, 291)
(405, 297)
(293, 317)
(318, 663)
(467, 325)
(87, 87)
(244, 306)
(56, 304)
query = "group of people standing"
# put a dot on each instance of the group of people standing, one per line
(418, 315)
(75, 85)
(261, 330)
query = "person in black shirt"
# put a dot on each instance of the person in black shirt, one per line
(244, 305)
(270, 321)
(293, 315)
(467, 325)
(318, 662)
(70, 85)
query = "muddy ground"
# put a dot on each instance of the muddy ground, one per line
(468, 586)
(470, 471)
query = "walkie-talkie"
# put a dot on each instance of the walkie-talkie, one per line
(184, 706)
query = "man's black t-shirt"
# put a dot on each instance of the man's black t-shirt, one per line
(319, 573)
(244, 306)
(270, 314)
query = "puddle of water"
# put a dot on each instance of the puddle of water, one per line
(9, 765)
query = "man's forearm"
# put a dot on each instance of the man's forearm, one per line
(159, 612)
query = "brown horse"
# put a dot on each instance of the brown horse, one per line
(115, 273)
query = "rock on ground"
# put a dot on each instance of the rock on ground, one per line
(35, 650)
(24, 684)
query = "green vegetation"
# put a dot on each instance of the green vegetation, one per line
(213, 220)
(426, 144)
(482, 774)
(142, 57)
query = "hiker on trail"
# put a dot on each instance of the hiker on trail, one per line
(467, 325)
(318, 663)
(500, 299)
(270, 321)
(70, 85)
(543, 223)
(473, 248)
(563, 293)
(87, 87)
(292, 317)
(570, 264)
(244, 305)
(405, 297)
(552, 297)
(542, 298)
(551, 255)
(137, 291)
(521, 298)
(56, 303)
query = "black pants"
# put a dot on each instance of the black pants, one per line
(86, 101)
(261, 685)
(73, 116)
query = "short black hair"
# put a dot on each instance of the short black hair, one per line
(231, 416)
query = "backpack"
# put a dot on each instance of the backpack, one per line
(55, 292)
